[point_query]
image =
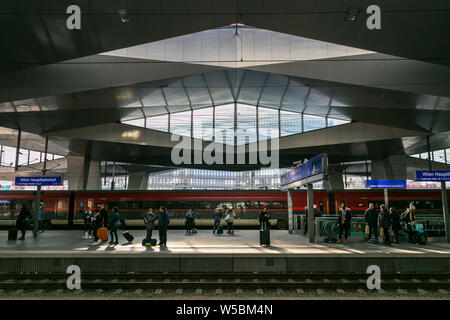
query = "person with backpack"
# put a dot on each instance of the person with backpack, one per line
(22, 221)
(384, 221)
(163, 223)
(229, 219)
(114, 224)
(371, 217)
(190, 221)
(149, 220)
(344, 219)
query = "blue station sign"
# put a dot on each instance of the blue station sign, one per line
(38, 181)
(386, 184)
(311, 168)
(433, 175)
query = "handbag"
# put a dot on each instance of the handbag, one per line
(367, 229)
(227, 217)
(381, 232)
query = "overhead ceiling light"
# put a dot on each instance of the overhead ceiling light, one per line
(352, 14)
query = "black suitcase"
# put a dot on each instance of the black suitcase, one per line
(264, 238)
(220, 230)
(12, 234)
(128, 236)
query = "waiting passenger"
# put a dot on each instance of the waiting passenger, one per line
(163, 223)
(344, 219)
(384, 221)
(149, 220)
(395, 223)
(22, 221)
(104, 216)
(409, 216)
(371, 217)
(229, 218)
(264, 219)
(114, 224)
(96, 224)
(190, 221)
(87, 224)
(217, 218)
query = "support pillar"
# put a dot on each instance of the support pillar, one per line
(386, 198)
(19, 136)
(445, 210)
(138, 180)
(311, 229)
(83, 174)
(390, 168)
(290, 212)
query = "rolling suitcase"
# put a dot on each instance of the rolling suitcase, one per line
(12, 234)
(128, 236)
(264, 238)
(220, 230)
(102, 234)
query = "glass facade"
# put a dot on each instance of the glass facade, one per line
(442, 156)
(26, 157)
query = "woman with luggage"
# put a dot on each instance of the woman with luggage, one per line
(96, 224)
(229, 218)
(114, 224)
(264, 219)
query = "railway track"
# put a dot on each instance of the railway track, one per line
(224, 285)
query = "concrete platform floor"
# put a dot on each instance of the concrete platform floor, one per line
(204, 242)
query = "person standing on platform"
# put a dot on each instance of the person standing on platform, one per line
(344, 219)
(22, 221)
(163, 223)
(149, 220)
(217, 218)
(229, 218)
(190, 218)
(104, 216)
(409, 216)
(384, 221)
(395, 224)
(114, 224)
(264, 219)
(40, 223)
(371, 217)
(87, 224)
(96, 224)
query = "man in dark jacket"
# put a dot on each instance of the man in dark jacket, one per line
(264, 219)
(22, 220)
(104, 216)
(149, 220)
(395, 223)
(344, 218)
(384, 221)
(371, 217)
(217, 217)
(163, 223)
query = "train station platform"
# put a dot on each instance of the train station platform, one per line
(53, 251)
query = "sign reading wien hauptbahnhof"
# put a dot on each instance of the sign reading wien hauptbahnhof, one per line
(38, 181)
(433, 175)
(386, 184)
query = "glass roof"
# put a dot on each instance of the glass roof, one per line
(250, 123)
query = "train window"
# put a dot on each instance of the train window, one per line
(360, 204)
(278, 205)
(265, 204)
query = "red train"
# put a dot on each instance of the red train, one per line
(66, 207)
